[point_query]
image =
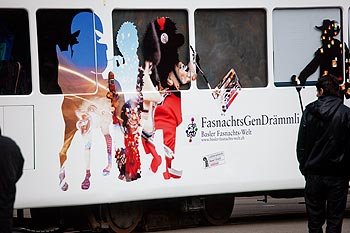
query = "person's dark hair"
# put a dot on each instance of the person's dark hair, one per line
(329, 84)
(126, 111)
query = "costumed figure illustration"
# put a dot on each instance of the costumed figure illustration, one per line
(163, 76)
(329, 58)
(226, 90)
(84, 112)
(124, 84)
(128, 158)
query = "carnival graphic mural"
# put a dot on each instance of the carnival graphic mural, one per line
(140, 96)
(83, 113)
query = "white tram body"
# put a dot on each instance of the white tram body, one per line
(238, 141)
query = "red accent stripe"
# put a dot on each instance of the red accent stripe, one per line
(231, 99)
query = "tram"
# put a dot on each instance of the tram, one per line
(117, 104)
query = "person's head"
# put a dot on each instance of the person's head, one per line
(161, 44)
(131, 115)
(87, 31)
(329, 28)
(127, 39)
(328, 85)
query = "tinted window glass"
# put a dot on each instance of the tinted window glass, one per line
(67, 39)
(227, 39)
(15, 61)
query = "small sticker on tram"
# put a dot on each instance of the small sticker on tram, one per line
(213, 160)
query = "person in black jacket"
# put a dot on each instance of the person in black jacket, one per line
(323, 152)
(11, 168)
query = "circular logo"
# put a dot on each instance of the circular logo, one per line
(164, 38)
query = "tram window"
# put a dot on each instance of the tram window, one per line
(67, 39)
(232, 38)
(15, 63)
(128, 52)
(296, 41)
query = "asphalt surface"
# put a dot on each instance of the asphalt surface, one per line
(250, 215)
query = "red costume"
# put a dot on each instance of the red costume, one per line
(161, 43)
(133, 164)
(167, 116)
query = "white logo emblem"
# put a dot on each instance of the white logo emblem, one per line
(164, 38)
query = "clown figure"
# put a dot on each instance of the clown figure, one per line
(87, 120)
(128, 158)
(124, 87)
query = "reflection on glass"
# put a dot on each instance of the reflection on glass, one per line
(15, 63)
(232, 39)
(68, 63)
